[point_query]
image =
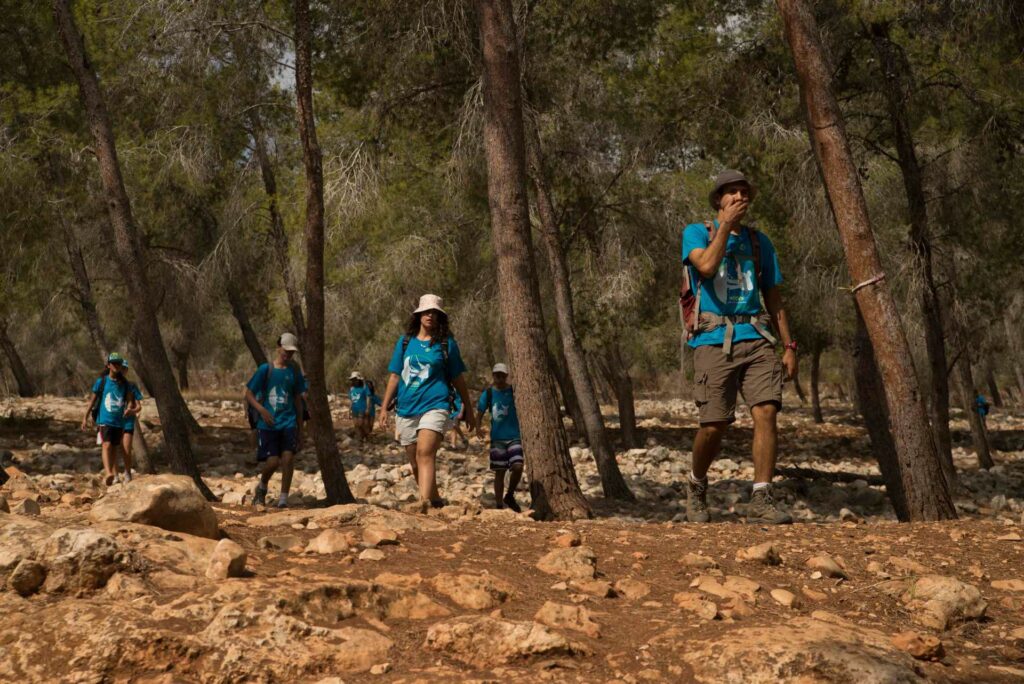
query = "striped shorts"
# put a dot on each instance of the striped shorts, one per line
(506, 453)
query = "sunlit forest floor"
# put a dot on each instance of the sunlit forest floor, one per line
(374, 591)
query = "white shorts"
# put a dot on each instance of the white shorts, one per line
(436, 421)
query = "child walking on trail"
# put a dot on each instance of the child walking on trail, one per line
(506, 452)
(130, 418)
(425, 368)
(372, 402)
(359, 396)
(111, 399)
(456, 417)
(276, 392)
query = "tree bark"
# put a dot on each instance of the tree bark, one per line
(553, 484)
(968, 391)
(181, 361)
(140, 451)
(815, 383)
(921, 472)
(241, 314)
(322, 428)
(565, 389)
(277, 231)
(872, 407)
(1013, 342)
(622, 387)
(26, 388)
(612, 482)
(993, 388)
(896, 86)
(131, 259)
(83, 288)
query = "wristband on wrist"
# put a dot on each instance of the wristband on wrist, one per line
(791, 345)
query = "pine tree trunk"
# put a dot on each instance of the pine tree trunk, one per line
(1013, 342)
(130, 256)
(920, 468)
(83, 289)
(993, 388)
(896, 88)
(815, 383)
(277, 231)
(140, 451)
(968, 391)
(26, 388)
(553, 484)
(622, 387)
(241, 314)
(872, 408)
(181, 362)
(322, 424)
(612, 482)
(565, 389)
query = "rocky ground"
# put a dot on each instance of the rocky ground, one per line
(147, 582)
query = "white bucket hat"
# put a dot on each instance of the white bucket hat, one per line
(289, 342)
(430, 302)
(355, 376)
(500, 368)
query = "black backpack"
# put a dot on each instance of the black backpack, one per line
(447, 375)
(252, 415)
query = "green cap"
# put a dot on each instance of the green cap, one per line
(114, 357)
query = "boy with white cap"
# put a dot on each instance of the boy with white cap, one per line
(359, 396)
(276, 393)
(506, 442)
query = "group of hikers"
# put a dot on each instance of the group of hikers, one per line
(733, 317)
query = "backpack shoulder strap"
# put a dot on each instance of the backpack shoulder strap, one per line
(405, 343)
(490, 399)
(755, 247)
(444, 360)
(266, 380)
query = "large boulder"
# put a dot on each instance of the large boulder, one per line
(939, 602)
(81, 560)
(171, 502)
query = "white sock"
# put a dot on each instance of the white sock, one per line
(283, 499)
(697, 480)
(761, 485)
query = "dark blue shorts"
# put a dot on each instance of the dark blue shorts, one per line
(111, 434)
(276, 442)
(506, 453)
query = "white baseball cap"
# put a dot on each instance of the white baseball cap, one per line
(355, 376)
(289, 342)
(430, 302)
(500, 368)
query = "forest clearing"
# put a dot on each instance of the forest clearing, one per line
(504, 340)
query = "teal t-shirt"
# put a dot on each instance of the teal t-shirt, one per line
(282, 387)
(423, 386)
(112, 403)
(732, 292)
(357, 395)
(504, 419)
(129, 422)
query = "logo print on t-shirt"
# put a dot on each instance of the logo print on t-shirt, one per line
(499, 413)
(113, 402)
(731, 285)
(276, 399)
(414, 372)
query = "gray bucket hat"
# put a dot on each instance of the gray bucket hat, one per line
(725, 178)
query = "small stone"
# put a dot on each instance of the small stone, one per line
(922, 647)
(281, 542)
(1008, 585)
(695, 603)
(698, 561)
(568, 617)
(1011, 536)
(227, 560)
(567, 540)
(909, 566)
(379, 536)
(826, 565)
(380, 668)
(938, 602)
(372, 555)
(596, 588)
(26, 507)
(330, 541)
(27, 577)
(632, 589)
(762, 553)
(579, 562)
(813, 594)
(784, 598)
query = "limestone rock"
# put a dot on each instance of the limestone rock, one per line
(27, 507)
(699, 562)
(227, 560)
(762, 553)
(331, 541)
(938, 602)
(80, 560)
(826, 565)
(595, 587)
(578, 562)
(693, 602)
(376, 535)
(372, 555)
(567, 540)
(1008, 585)
(486, 641)
(632, 589)
(561, 616)
(475, 592)
(27, 577)
(784, 598)
(171, 502)
(280, 542)
(922, 647)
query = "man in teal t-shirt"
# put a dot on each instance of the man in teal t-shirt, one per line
(276, 392)
(732, 267)
(506, 453)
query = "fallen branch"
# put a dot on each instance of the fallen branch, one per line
(840, 476)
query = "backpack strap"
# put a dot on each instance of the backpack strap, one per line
(447, 373)
(697, 280)
(405, 344)
(490, 399)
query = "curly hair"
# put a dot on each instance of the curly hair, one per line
(441, 332)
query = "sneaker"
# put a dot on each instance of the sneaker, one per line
(282, 504)
(127, 477)
(438, 503)
(510, 501)
(762, 509)
(260, 497)
(108, 480)
(697, 501)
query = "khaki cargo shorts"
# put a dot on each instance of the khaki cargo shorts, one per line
(754, 370)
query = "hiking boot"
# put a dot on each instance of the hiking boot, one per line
(510, 501)
(762, 509)
(260, 497)
(697, 501)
